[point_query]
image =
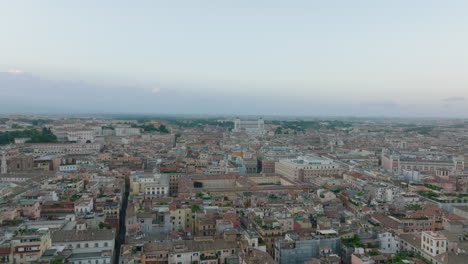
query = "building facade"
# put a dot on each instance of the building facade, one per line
(307, 168)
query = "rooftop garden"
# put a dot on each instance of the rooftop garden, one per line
(261, 242)
(404, 217)
(445, 197)
(428, 194)
(413, 207)
(353, 242)
(13, 222)
(433, 187)
(210, 256)
(103, 225)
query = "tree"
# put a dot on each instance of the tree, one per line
(195, 208)
(163, 129)
(279, 130)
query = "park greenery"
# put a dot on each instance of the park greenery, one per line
(36, 136)
(34, 122)
(426, 130)
(200, 123)
(182, 122)
(301, 126)
(152, 128)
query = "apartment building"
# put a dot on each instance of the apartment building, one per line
(64, 148)
(181, 219)
(150, 184)
(96, 245)
(433, 243)
(28, 245)
(206, 251)
(127, 131)
(294, 249)
(396, 161)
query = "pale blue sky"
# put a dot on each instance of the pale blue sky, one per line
(394, 57)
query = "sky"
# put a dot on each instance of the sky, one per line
(268, 57)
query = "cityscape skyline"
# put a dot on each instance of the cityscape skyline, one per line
(48, 97)
(234, 131)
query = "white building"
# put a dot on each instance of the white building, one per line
(151, 185)
(81, 136)
(65, 148)
(96, 245)
(84, 206)
(21, 140)
(388, 243)
(251, 127)
(127, 131)
(433, 243)
(383, 192)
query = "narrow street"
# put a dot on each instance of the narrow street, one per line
(120, 240)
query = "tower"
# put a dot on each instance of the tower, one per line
(3, 166)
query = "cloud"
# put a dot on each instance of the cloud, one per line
(384, 104)
(15, 71)
(454, 99)
(156, 90)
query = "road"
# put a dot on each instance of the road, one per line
(121, 232)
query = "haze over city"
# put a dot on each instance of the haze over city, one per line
(335, 58)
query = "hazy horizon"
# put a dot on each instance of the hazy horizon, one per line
(272, 58)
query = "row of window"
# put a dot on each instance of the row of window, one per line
(87, 245)
(153, 192)
(96, 261)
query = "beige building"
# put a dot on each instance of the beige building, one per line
(181, 219)
(306, 168)
(149, 184)
(28, 245)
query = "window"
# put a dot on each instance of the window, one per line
(106, 244)
(96, 244)
(86, 245)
